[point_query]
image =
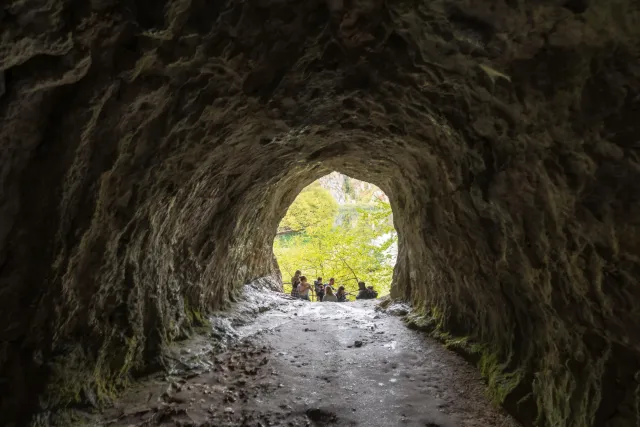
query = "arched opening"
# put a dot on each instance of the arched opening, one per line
(148, 154)
(338, 230)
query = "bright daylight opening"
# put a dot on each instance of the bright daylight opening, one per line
(342, 228)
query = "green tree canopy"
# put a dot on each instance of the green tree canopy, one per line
(313, 207)
(352, 251)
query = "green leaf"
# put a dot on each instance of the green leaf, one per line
(353, 249)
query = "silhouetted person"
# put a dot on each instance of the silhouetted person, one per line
(365, 292)
(319, 287)
(295, 281)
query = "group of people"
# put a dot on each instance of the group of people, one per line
(326, 292)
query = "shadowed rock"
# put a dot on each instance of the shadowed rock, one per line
(149, 150)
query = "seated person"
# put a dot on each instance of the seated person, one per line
(341, 295)
(365, 292)
(330, 297)
(372, 293)
(319, 288)
(331, 284)
(303, 288)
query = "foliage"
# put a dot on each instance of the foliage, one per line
(347, 188)
(314, 206)
(358, 249)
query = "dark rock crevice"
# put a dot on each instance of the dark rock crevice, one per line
(149, 151)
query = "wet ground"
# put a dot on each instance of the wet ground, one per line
(311, 364)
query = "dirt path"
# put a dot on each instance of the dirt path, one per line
(313, 365)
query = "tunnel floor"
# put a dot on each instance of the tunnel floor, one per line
(310, 364)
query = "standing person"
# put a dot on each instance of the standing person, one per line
(319, 287)
(341, 295)
(295, 281)
(303, 288)
(331, 284)
(330, 297)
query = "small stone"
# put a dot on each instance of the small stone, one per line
(358, 344)
(229, 410)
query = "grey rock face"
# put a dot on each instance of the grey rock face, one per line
(148, 153)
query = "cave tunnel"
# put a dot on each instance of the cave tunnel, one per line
(338, 233)
(149, 150)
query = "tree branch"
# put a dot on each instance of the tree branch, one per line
(349, 267)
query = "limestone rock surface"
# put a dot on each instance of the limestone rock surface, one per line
(148, 150)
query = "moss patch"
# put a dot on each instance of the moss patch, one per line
(73, 383)
(195, 317)
(500, 380)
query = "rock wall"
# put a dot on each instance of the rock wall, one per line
(346, 190)
(149, 150)
(334, 184)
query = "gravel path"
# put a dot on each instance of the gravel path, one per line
(317, 364)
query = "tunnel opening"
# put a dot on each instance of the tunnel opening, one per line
(339, 230)
(138, 191)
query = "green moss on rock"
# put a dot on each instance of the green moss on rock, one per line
(135, 179)
(71, 382)
(195, 317)
(501, 381)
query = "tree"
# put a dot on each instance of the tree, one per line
(357, 250)
(347, 188)
(313, 206)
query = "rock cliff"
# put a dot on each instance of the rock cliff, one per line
(346, 190)
(150, 148)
